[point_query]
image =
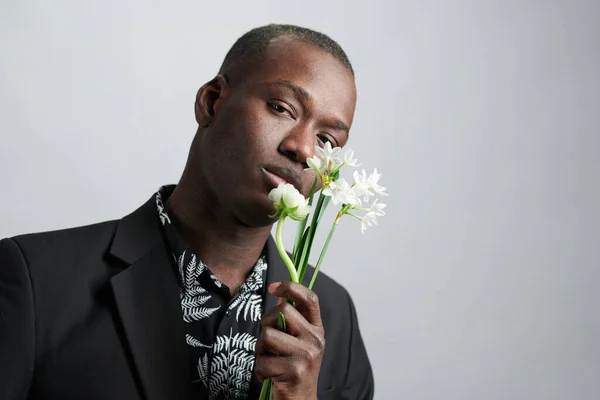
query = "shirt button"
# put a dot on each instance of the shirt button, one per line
(227, 313)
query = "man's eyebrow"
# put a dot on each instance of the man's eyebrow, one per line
(295, 88)
(304, 95)
(342, 126)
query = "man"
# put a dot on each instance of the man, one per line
(179, 299)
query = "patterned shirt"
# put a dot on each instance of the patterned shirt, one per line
(221, 329)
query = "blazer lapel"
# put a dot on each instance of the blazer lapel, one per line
(148, 302)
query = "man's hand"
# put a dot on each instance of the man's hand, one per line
(292, 359)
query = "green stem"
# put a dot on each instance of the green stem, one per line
(298, 240)
(284, 255)
(355, 216)
(298, 243)
(326, 201)
(265, 393)
(310, 237)
(338, 168)
(322, 255)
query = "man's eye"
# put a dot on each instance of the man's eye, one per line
(277, 108)
(324, 139)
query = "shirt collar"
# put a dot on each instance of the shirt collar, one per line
(256, 280)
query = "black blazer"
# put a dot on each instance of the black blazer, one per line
(94, 313)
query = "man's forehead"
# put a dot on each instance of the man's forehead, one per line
(295, 54)
(310, 72)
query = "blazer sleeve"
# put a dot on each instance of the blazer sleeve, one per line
(359, 384)
(17, 336)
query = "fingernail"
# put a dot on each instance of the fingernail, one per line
(273, 286)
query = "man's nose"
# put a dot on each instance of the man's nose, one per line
(299, 143)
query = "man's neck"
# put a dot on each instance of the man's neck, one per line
(229, 248)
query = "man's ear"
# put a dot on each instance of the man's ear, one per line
(209, 98)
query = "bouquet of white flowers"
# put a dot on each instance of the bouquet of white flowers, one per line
(351, 199)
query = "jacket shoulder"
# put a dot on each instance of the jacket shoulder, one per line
(71, 237)
(53, 251)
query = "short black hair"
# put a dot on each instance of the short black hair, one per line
(251, 46)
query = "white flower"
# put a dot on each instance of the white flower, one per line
(276, 195)
(328, 159)
(349, 158)
(369, 219)
(316, 164)
(377, 208)
(341, 192)
(328, 154)
(373, 181)
(364, 185)
(286, 198)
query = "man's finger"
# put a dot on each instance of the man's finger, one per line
(307, 301)
(296, 323)
(273, 367)
(274, 342)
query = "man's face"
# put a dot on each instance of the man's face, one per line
(266, 125)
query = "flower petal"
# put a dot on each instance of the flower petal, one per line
(286, 198)
(315, 164)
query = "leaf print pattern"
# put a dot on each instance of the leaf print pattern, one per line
(193, 298)
(243, 341)
(191, 341)
(232, 366)
(216, 281)
(218, 376)
(190, 271)
(162, 214)
(192, 314)
(225, 356)
(255, 280)
(203, 369)
(252, 308)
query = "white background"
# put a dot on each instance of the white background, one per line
(482, 280)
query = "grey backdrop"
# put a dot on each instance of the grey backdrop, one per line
(482, 280)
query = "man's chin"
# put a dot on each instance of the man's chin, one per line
(256, 214)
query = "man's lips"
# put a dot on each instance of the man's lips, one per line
(279, 175)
